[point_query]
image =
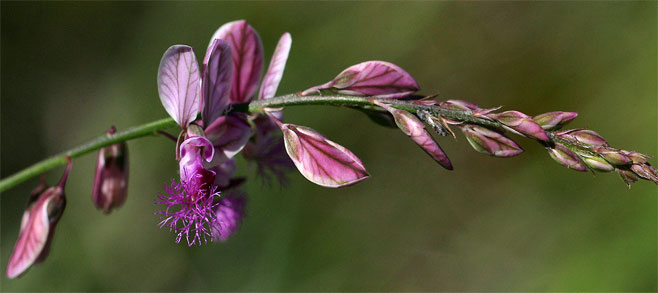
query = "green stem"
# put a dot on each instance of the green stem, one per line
(93, 145)
(253, 107)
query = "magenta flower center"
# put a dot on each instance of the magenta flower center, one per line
(189, 210)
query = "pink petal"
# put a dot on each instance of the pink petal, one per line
(229, 134)
(36, 231)
(372, 78)
(320, 160)
(198, 142)
(217, 79)
(178, 83)
(275, 70)
(415, 129)
(247, 58)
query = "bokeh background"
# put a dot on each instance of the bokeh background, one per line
(70, 70)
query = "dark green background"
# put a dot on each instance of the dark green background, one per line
(70, 70)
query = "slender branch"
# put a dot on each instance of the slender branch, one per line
(95, 144)
(257, 106)
(344, 100)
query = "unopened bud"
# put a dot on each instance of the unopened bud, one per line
(521, 123)
(566, 157)
(489, 142)
(628, 176)
(636, 157)
(37, 228)
(598, 164)
(588, 137)
(646, 171)
(414, 128)
(459, 105)
(615, 157)
(111, 179)
(554, 120)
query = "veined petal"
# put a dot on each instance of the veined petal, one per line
(247, 51)
(415, 129)
(320, 160)
(178, 84)
(38, 226)
(229, 134)
(216, 81)
(275, 70)
(371, 78)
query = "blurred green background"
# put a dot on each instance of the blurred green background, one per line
(70, 70)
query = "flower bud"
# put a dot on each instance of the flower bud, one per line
(414, 128)
(646, 171)
(615, 157)
(111, 179)
(521, 123)
(459, 105)
(37, 228)
(598, 164)
(489, 142)
(585, 136)
(566, 157)
(628, 176)
(371, 78)
(636, 157)
(554, 120)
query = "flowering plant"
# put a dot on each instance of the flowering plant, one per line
(205, 202)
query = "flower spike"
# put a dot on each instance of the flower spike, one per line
(372, 78)
(247, 58)
(217, 79)
(178, 84)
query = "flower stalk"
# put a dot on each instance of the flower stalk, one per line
(259, 106)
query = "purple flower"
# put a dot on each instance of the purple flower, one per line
(230, 73)
(229, 212)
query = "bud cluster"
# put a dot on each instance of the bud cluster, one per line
(577, 149)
